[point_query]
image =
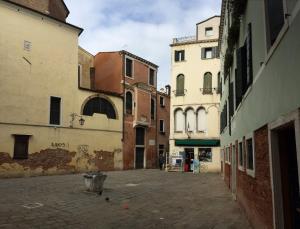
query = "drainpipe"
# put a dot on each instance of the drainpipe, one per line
(156, 121)
(123, 124)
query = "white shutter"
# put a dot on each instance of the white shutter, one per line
(179, 120)
(190, 120)
(201, 120)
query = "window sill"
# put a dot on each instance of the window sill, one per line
(162, 132)
(250, 172)
(130, 77)
(241, 168)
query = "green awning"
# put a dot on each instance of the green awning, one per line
(197, 142)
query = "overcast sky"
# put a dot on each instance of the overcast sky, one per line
(142, 27)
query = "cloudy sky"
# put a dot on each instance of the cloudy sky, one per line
(143, 27)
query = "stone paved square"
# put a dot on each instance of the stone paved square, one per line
(137, 199)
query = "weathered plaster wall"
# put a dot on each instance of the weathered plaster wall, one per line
(86, 61)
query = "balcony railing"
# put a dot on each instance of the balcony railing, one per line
(210, 90)
(179, 92)
(184, 39)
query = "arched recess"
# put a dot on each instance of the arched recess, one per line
(207, 83)
(190, 119)
(178, 120)
(129, 102)
(99, 104)
(201, 120)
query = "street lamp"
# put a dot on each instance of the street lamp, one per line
(73, 116)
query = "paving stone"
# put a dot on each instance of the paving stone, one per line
(156, 200)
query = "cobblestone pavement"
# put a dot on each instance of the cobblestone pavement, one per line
(137, 199)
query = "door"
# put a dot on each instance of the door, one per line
(233, 171)
(289, 176)
(139, 157)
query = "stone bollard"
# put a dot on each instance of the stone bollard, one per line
(94, 181)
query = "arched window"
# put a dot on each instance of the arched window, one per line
(201, 119)
(190, 120)
(179, 120)
(100, 106)
(128, 103)
(180, 85)
(207, 83)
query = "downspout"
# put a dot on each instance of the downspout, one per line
(156, 130)
(123, 124)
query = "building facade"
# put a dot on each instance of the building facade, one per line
(194, 122)
(135, 79)
(48, 125)
(260, 137)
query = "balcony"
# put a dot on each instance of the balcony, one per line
(184, 39)
(206, 91)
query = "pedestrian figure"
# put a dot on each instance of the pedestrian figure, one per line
(161, 161)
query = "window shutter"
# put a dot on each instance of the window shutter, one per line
(182, 55)
(231, 106)
(217, 52)
(176, 57)
(241, 56)
(249, 56)
(202, 53)
(214, 52)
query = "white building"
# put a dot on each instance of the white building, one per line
(194, 122)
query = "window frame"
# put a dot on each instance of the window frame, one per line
(250, 172)
(132, 67)
(154, 108)
(211, 154)
(211, 29)
(241, 167)
(132, 103)
(183, 86)
(154, 76)
(162, 131)
(227, 155)
(60, 112)
(161, 98)
(197, 120)
(175, 121)
(181, 55)
(16, 136)
(205, 52)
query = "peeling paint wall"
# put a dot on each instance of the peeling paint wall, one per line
(29, 77)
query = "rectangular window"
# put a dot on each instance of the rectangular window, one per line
(208, 53)
(161, 126)
(152, 109)
(140, 136)
(205, 154)
(21, 147)
(151, 76)
(129, 67)
(241, 155)
(274, 20)
(250, 156)
(179, 55)
(55, 110)
(162, 101)
(161, 149)
(209, 31)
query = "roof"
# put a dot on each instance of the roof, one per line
(45, 15)
(66, 8)
(207, 19)
(222, 21)
(124, 52)
(194, 42)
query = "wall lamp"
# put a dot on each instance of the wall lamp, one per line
(73, 116)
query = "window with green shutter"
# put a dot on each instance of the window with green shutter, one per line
(180, 85)
(207, 83)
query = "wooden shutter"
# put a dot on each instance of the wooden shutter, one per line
(202, 53)
(176, 55)
(241, 57)
(180, 85)
(249, 56)
(182, 55)
(231, 105)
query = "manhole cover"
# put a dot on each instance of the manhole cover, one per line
(32, 205)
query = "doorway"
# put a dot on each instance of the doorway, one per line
(285, 177)
(139, 147)
(189, 157)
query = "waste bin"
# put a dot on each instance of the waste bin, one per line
(94, 181)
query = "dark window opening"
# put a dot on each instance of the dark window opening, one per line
(140, 136)
(179, 55)
(241, 155)
(274, 20)
(161, 126)
(100, 106)
(162, 101)
(21, 147)
(129, 67)
(249, 154)
(152, 109)
(128, 102)
(151, 76)
(55, 110)
(209, 31)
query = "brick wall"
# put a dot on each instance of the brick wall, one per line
(255, 194)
